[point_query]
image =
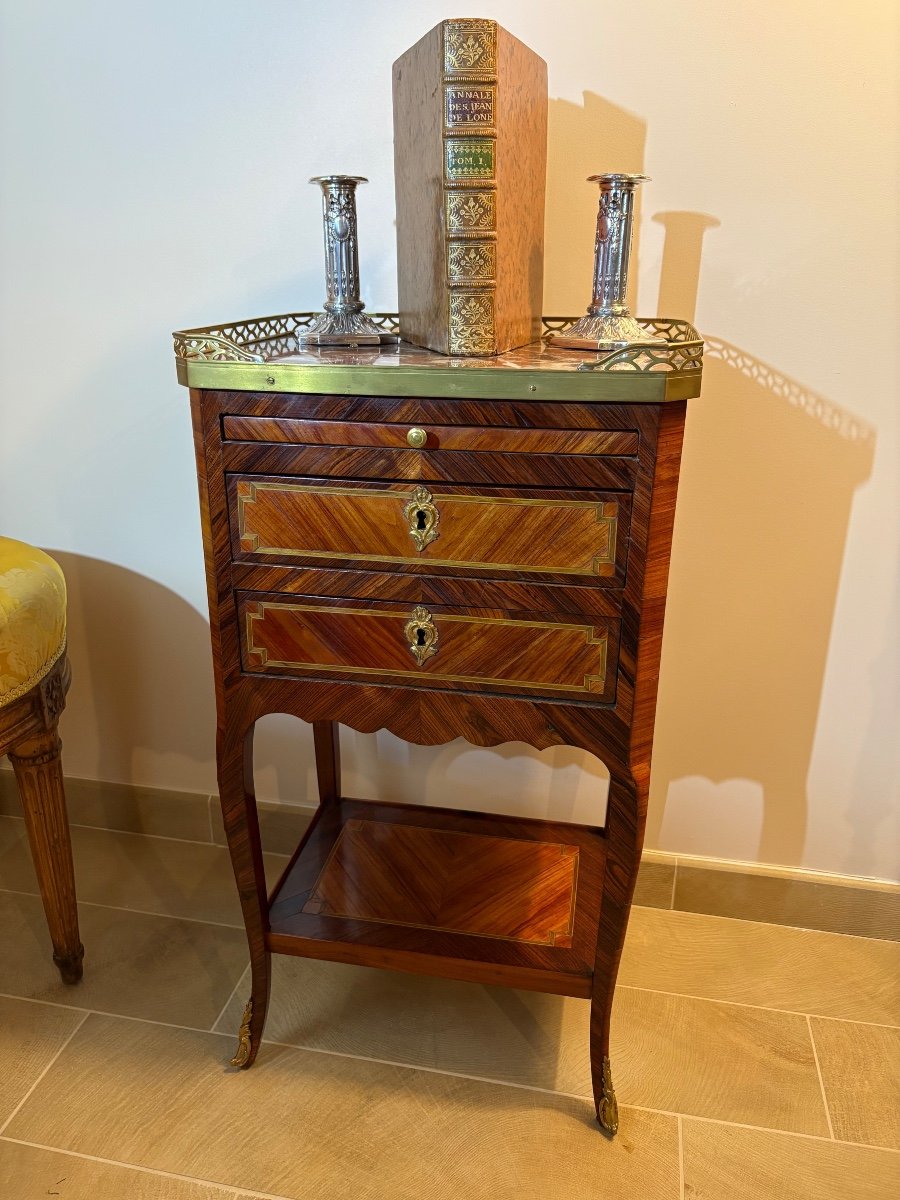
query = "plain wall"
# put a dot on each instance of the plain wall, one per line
(155, 164)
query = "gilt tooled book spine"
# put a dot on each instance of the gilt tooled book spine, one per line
(470, 144)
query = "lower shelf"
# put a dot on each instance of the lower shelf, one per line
(462, 895)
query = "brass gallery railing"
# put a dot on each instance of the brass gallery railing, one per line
(265, 339)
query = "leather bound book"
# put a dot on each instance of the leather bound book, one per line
(470, 163)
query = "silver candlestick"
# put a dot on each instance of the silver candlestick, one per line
(608, 324)
(343, 323)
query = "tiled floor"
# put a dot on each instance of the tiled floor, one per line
(751, 1060)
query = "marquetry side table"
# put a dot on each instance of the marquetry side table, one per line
(443, 548)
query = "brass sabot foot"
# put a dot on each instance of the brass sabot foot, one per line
(608, 1109)
(242, 1056)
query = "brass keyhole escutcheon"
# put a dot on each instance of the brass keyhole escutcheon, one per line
(422, 518)
(417, 438)
(421, 634)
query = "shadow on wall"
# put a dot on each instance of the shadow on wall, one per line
(512, 779)
(142, 710)
(770, 470)
(584, 140)
(141, 703)
(769, 473)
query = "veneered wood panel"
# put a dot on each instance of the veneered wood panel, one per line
(429, 410)
(491, 531)
(498, 469)
(299, 635)
(423, 705)
(523, 891)
(559, 869)
(418, 585)
(438, 437)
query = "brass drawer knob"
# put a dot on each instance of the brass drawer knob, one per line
(422, 517)
(417, 438)
(421, 634)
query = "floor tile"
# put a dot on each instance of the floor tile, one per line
(146, 874)
(806, 903)
(486, 1032)
(27, 1171)
(124, 806)
(860, 1067)
(159, 968)
(301, 1124)
(281, 826)
(30, 1035)
(722, 1162)
(857, 979)
(714, 1060)
(654, 884)
(668, 1052)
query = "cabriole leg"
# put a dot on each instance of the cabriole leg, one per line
(623, 832)
(238, 798)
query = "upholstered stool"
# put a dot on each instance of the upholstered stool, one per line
(34, 679)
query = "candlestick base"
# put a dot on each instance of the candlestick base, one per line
(343, 322)
(604, 332)
(343, 329)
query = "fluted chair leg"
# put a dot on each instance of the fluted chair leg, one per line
(38, 770)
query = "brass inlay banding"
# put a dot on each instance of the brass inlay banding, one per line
(606, 512)
(592, 682)
(566, 849)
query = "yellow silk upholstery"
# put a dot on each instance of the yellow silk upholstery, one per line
(32, 617)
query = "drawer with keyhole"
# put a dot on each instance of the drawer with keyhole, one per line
(427, 645)
(546, 534)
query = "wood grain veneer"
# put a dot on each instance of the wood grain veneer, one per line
(438, 437)
(546, 533)
(489, 650)
(450, 882)
(503, 901)
(547, 633)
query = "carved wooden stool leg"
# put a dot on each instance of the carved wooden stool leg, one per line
(38, 770)
(623, 830)
(237, 794)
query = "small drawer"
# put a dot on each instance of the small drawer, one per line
(458, 441)
(424, 436)
(428, 646)
(544, 534)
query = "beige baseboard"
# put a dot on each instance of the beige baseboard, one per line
(776, 895)
(773, 870)
(716, 887)
(158, 812)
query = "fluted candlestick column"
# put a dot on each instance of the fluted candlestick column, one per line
(608, 324)
(343, 322)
